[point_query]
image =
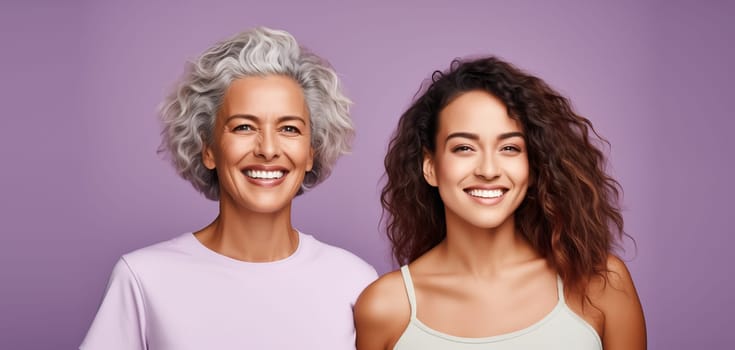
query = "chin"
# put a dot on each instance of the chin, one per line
(490, 223)
(263, 204)
(267, 208)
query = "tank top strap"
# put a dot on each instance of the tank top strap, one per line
(408, 282)
(560, 289)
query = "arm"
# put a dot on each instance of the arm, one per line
(381, 313)
(624, 328)
(120, 320)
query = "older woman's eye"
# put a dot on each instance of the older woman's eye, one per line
(290, 129)
(243, 127)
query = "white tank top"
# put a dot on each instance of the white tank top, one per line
(560, 329)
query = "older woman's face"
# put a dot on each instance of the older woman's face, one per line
(262, 144)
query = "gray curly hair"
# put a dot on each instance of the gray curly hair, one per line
(189, 113)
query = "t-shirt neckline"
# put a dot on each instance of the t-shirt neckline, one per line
(205, 251)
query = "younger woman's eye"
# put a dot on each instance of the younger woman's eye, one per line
(511, 148)
(462, 148)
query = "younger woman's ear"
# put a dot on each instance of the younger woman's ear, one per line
(429, 169)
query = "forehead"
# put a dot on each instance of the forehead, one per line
(264, 96)
(478, 112)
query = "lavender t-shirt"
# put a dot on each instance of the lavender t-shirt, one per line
(179, 295)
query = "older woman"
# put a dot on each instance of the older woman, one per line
(256, 121)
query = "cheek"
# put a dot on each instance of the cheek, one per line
(298, 150)
(454, 168)
(521, 172)
(232, 149)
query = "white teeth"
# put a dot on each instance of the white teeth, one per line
(485, 193)
(262, 174)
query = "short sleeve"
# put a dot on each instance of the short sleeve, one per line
(120, 320)
(370, 276)
(363, 274)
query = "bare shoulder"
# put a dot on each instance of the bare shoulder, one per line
(382, 312)
(617, 283)
(617, 298)
(384, 296)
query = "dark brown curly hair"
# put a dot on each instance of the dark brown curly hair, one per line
(570, 214)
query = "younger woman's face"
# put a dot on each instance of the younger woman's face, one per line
(480, 165)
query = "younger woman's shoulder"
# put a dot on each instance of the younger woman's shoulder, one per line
(384, 298)
(617, 280)
(617, 298)
(382, 312)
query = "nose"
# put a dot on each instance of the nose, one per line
(266, 146)
(487, 166)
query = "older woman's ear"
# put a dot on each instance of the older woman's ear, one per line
(310, 161)
(208, 157)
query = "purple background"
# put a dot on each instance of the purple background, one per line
(82, 183)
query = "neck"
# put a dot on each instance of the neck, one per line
(250, 236)
(478, 251)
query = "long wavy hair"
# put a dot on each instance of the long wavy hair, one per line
(570, 214)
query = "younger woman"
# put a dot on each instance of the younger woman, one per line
(501, 208)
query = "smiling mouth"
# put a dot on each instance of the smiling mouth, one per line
(485, 193)
(264, 175)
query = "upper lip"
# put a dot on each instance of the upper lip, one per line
(486, 188)
(265, 168)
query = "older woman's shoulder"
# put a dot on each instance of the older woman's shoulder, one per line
(336, 262)
(333, 255)
(178, 246)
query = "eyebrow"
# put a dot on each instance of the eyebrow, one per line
(475, 137)
(253, 118)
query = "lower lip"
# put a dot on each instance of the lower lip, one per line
(266, 182)
(487, 201)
